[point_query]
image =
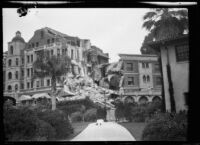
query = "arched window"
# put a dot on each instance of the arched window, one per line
(16, 87)
(9, 75)
(11, 49)
(148, 78)
(143, 65)
(16, 74)
(144, 79)
(17, 61)
(147, 65)
(9, 62)
(9, 88)
(143, 100)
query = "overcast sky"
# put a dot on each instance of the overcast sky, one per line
(117, 30)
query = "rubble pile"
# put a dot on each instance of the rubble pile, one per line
(81, 87)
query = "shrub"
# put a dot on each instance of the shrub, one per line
(44, 131)
(166, 126)
(59, 121)
(153, 107)
(90, 115)
(101, 113)
(19, 124)
(138, 113)
(76, 116)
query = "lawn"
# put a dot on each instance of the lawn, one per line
(134, 128)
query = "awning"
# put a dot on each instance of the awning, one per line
(25, 97)
(42, 95)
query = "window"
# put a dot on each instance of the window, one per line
(58, 52)
(9, 62)
(17, 61)
(158, 81)
(37, 44)
(31, 71)
(22, 86)
(48, 82)
(16, 87)
(129, 67)
(32, 58)
(48, 41)
(28, 85)
(9, 75)
(148, 78)
(29, 46)
(42, 82)
(143, 65)
(28, 59)
(11, 49)
(144, 79)
(28, 72)
(38, 84)
(147, 65)
(63, 51)
(16, 74)
(52, 40)
(32, 84)
(9, 88)
(157, 67)
(22, 73)
(72, 54)
(22, 60)
(51, 52)
(130, 80)
(42, 34)
(182, 53)
(33, 45)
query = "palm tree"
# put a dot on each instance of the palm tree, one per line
(165, 23)
(52, 66)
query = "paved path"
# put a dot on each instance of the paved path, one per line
(107, 131)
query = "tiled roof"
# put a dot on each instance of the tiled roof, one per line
(160, 42)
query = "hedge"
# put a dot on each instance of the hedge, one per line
(166, 126)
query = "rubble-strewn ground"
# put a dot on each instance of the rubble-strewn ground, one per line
(82, 87)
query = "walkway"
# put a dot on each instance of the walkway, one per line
(105, 131)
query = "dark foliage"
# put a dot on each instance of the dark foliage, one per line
(166, 126)
(59, 121)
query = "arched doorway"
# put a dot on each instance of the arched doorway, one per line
(156, 99)
(129, 99)
(10, 100)
(143, 100)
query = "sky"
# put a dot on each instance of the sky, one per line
(114, 30)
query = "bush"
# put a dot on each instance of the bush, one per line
(44, 131)
(90, 115)
(19, 124)
(59, 121)
(138, 113)
(166, 126)
(101, 113)
(76, 116)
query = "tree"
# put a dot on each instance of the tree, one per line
(52, 66)
(164, 23)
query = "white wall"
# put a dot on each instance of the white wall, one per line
(180, 78)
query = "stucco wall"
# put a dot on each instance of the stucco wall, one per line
(180, 78)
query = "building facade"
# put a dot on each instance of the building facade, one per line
(175, 67)
(141, 78)
(18, 62)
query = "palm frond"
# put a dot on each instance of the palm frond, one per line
(148, 24)
(149, 15)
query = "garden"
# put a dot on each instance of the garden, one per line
(154, 125)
